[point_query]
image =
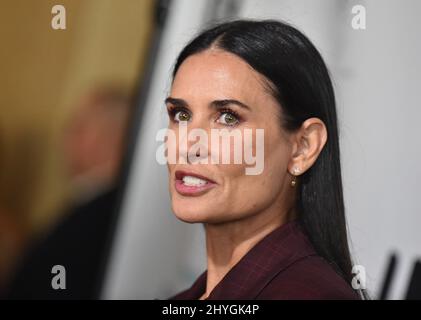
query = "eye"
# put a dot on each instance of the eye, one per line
(228, 117)
(178, 114)
(181, 116)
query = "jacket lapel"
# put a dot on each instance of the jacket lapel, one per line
(261, 264)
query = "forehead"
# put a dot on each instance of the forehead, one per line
(214, 74)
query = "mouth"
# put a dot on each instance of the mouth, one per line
(192, 184)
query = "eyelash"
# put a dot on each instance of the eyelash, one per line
(232, 112)
(172, 111)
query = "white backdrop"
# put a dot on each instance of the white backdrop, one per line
(376, 77)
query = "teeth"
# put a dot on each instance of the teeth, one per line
(193, 181)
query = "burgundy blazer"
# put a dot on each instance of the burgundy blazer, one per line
(283, 265)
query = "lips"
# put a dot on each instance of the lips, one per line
(192, 184)
(179, 175)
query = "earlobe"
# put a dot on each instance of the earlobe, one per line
(295, 166)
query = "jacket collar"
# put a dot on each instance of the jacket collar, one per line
(273, 254)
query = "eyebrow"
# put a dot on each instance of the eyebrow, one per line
(217, 104)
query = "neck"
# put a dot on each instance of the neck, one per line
(227, 243)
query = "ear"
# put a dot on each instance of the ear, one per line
(308, 142)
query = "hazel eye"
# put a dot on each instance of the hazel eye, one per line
(228, 118)
(181, 115)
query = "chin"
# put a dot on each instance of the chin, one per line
(190, 212)
(189, 218)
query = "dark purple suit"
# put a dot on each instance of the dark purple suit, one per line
(283, 265)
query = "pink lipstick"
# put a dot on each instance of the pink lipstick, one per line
(192, 184)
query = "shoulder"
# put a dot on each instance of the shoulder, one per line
(309, 277)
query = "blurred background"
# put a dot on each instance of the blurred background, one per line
(80, 108)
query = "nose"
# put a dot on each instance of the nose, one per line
(194, 142)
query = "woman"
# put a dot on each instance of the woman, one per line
(280, 234)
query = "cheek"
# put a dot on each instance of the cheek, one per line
(244, 194)
(262, 161)
(170, 168)
(247, 195)
(277, 156)
(171, 187)
(257, 191)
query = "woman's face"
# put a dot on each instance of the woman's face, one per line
(226, 193)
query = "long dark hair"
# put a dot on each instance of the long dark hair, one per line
(298, 78)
